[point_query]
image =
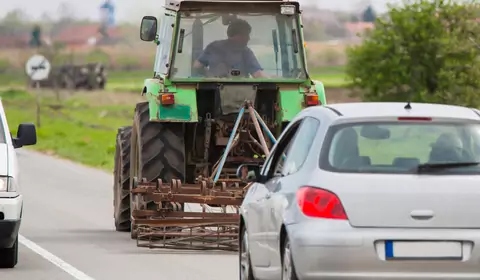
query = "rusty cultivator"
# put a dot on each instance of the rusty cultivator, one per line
(203, 215)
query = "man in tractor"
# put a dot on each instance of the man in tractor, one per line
(223, 56)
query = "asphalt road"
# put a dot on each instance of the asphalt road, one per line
(67, 232)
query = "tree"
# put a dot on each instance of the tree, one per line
(425, 51)
(13, 22)
(369, 14)
(36, 40)
(15, 17)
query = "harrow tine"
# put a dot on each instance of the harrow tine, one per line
(204, 230)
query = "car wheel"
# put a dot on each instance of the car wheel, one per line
(245, 265)
(9, 256)
(288, 268)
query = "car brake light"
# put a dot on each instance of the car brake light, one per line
(319, 203)
(311, 99)
(168, 99)
(414, 119)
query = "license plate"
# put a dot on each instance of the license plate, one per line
(423, 250)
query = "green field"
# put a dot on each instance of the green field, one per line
(133, 81)
(82, 128)
(332, 77)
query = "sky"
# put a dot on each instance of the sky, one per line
(128, 10)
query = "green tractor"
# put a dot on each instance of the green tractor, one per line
(204, 72)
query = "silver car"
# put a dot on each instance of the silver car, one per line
(367, 191)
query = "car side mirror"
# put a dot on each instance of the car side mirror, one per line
(26, 135)
(148, 28)
(249, 172)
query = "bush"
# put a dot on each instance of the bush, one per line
(426, 51)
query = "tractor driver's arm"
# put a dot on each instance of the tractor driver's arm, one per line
(201, 62)
(254, 67)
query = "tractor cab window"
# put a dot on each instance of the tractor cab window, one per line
(244, 45)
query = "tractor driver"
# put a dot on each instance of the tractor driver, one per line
(222, 56)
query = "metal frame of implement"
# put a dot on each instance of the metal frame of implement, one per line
(167, 228)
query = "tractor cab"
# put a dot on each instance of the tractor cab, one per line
(244, 41)
(211, 56)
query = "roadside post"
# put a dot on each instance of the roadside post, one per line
(38, 69)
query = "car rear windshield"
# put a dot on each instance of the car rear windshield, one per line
(400, 147)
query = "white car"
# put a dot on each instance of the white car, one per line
(11, 200)
(367, 191)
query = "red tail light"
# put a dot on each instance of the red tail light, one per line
(311, 99)
(319, 203)
(168, 99)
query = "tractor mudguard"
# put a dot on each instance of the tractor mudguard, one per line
(292, 100)
(320, 89)
(183, 110)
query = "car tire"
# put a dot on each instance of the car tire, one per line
(244, 263)
(288, 268)
(9, 256)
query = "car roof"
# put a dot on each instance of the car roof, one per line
(397, 109)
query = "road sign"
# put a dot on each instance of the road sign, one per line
(38, 68)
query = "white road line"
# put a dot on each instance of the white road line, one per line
(77, 274)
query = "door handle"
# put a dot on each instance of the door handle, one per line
(422, 214)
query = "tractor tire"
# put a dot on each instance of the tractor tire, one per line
(121, 185)
(157, 151)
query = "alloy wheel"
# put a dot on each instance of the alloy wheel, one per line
(287, 263)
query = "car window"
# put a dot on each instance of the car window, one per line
(300, 146)
(400, 147)
(274, 165)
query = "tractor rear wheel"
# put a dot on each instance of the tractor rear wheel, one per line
(157, 151)
(121, 185)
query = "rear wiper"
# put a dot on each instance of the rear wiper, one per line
(440, 166)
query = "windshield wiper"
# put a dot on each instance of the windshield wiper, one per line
(441, 166)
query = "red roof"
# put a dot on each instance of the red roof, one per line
(14, 41)
(79, 35)
(358, 27)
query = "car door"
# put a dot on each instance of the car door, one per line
(272, 175)
(282, 193)
(253, 213)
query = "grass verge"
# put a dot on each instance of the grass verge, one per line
(81, 128)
